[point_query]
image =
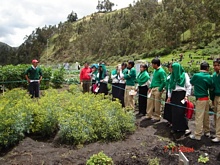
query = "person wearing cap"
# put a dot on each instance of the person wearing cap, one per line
(216, 99)
(202, 82)
(130, 77)
(34, 76)
(85, 77)
(142, 80)
(155, 91)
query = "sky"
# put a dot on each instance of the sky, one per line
(19, 18)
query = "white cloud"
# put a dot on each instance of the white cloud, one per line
(20, 17)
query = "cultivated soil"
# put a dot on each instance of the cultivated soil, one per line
(147, 143)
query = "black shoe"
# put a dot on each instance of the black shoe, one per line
(187, 132)
(155, 121)
(148, 118)
(168, 124)
(172, 132)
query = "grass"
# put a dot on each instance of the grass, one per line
(196, 56)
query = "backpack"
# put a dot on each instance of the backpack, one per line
(189, 109)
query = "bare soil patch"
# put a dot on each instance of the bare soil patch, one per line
(148, 142)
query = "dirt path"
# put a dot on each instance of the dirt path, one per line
(148, 142)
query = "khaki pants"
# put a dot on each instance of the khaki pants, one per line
(129, 99)
(202, 117)
(153, 103)
(217, 115)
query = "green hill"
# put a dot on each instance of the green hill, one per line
(144, 30)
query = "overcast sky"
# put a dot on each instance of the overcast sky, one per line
(19, 18)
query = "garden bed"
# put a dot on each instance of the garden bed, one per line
(146, 145)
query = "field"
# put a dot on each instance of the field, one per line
(145, 146)
(149, 144)
(47, 137)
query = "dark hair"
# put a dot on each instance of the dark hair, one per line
(169, 64)
(144, 66)
(204, 66)
(124, 64)
(156, 61)
(131, 63)
(216, 61)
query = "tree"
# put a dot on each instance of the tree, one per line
(72, 17)
(105, 6)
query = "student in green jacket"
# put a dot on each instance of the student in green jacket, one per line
(103, 78)
(115, 82)
(34, 76)
(155, 91)
(202, 82)
(216, 99)
(94, 73)
(130, 77)
(142, 80)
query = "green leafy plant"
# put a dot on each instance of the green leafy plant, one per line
(14, 76)
(155, 161)
(78, 118)
(203, 159)
(171, 145)
(99, 159)
(58, 78)
(14, 117)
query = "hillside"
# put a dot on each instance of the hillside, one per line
(145, 29)
(7, 54)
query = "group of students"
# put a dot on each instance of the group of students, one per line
(177, 84)
(206, 88)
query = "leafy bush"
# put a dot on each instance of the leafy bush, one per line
(100, 159)
(45, 114)
(47, 72)
(90, 118)
(58, 78)
(78, 118)
(14, 117)
(14, 76)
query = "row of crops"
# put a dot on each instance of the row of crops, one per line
(14, 76)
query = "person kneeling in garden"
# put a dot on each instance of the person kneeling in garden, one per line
(34, 76)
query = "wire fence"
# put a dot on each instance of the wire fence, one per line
(78, 83)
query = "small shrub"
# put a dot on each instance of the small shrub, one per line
(58, 78)
(203, 159)
(99, 159)
(14, 117)
(155, 161)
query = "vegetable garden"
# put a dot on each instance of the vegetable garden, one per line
(68, 127)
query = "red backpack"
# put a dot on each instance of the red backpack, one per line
(189, 109)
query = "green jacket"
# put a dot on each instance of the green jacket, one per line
(202, 82)
(216, 85)
(159, 79)
(130, 76)
(33, 74)
(142, 78)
